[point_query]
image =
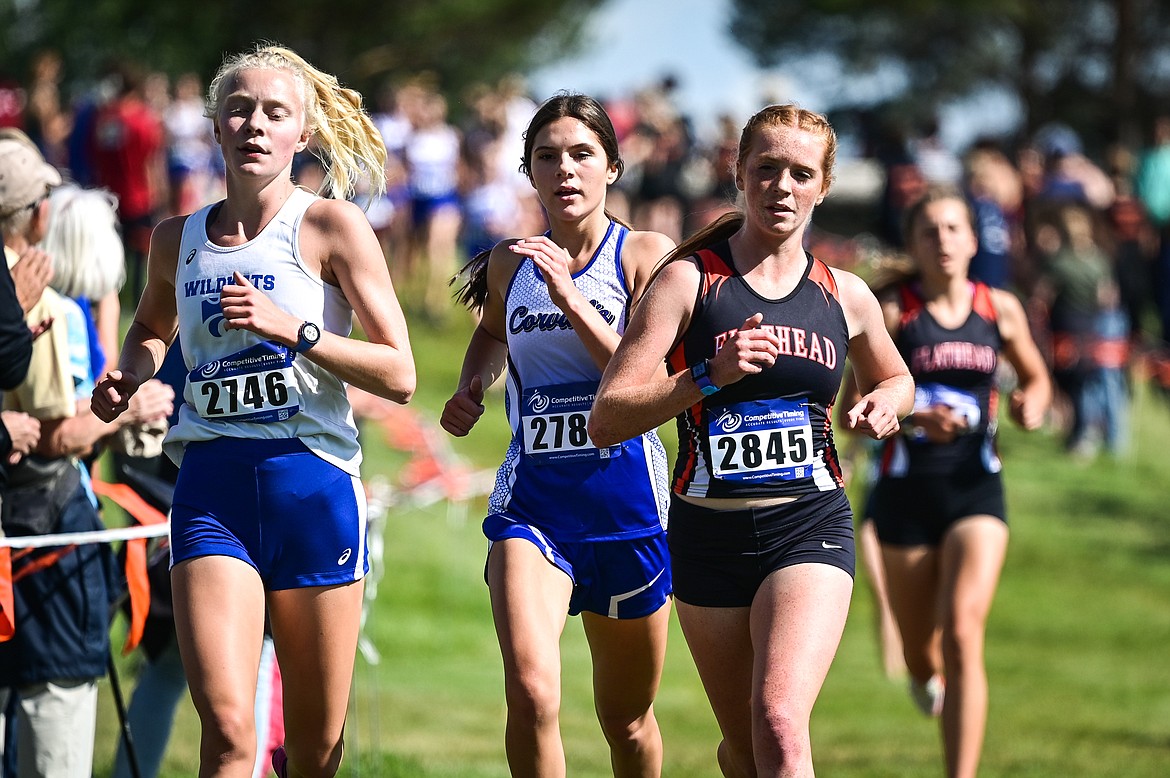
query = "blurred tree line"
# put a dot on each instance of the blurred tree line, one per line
(1100, 66)
(363, 42)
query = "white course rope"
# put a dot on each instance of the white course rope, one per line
(79, 538)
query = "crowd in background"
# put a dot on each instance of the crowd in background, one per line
(1084, 243)
(1083, 238)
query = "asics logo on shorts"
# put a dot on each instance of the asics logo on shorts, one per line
(729, 422)
(538, 402)
(341, 560)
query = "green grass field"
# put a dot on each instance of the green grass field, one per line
(1077, 643)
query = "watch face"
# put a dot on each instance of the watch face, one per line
(701, 374)
(311, 332)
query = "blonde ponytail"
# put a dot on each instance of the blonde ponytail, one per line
(350, 146)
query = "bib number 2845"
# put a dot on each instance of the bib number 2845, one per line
(761, 440)
(752, 451)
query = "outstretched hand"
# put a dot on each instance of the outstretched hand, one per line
(153, 401)
(941, 423)
(111, 395)
(30, 275)
(464, 408)
(24, 432)
(873, 416)
(40, 328)
(1027, 411)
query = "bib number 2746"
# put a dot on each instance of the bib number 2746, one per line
(228, 396)
(257, 384)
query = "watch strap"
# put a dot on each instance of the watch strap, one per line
(303, 343)
(701, 375)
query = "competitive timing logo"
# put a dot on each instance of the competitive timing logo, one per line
(538, 402)
(213, 316)
(210, 369)
(728, 421)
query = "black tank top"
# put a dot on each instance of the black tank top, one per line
(768, 434)
(955, 368)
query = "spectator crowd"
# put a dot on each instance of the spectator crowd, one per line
(1083, 238)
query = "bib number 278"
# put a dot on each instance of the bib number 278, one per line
(557, 432)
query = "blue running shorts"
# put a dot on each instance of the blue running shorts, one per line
(299, 520)
(621, 579)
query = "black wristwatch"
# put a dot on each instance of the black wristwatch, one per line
(701, 375)
(309, 336)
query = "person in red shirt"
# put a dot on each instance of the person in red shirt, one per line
(127, 146)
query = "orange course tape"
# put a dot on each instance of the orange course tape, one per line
(137, 581)
(7, 618)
